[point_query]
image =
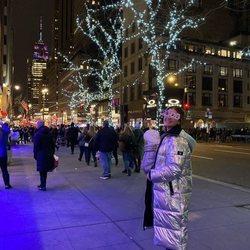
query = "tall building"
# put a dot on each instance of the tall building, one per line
(6, 59)
(36, 72)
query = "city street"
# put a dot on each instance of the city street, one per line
(80, 211)
(223, 162)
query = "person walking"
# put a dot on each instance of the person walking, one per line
(72, 135)
(139, 145)
(4, 135)
(91, 145)
(44, 149)
(104, 143)
(171, 176)
(127, 147)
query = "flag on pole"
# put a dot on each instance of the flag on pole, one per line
(25, 105)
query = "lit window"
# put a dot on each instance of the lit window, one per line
(223, 71)
(237, 55)
(224, 53)
(238, 73)
(209, 50)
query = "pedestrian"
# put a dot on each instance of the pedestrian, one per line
(139, 145)
(91, 145)
(72, 135)
(104, 144)
(4, 135)
(127, 147)
(171, 176)
(81, 142)
(44, 149)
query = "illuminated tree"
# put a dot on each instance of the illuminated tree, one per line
(103, 25)
(160, 25)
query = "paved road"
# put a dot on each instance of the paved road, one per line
(228, 163)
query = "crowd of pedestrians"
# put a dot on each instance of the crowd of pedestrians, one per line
(165, 159)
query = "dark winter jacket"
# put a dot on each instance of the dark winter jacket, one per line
(44, 149)
(4, 133)
(106, 140)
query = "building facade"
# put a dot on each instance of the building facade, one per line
(214, 92)
(6, 59)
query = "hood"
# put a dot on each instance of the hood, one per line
(191, 141)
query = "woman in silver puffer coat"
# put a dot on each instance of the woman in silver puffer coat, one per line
(171, 176)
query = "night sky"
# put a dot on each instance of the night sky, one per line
(26, 16)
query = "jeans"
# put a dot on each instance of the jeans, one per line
(5, 173)
(81, 152)
(127, 159)
(105, 160)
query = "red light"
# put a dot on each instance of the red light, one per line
(186, 106)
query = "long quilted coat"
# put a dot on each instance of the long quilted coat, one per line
(44, 149)
(173, 164)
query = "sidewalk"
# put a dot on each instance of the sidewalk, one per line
(80, 211)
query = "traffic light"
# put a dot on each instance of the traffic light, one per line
(186, 106)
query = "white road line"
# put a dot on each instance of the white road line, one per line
(222, 183)
(202, 157)
(227, 146)
(233, 152)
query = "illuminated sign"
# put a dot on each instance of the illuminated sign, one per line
(173, 102)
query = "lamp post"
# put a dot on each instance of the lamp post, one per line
(45, 91)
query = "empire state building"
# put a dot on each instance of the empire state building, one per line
(36, 71)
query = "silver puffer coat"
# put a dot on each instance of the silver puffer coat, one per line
(173, 164)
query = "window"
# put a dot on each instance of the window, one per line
(237, 85)
(224, 52)
(5, 20)
(238, 73)
(132, 93)
(237, 55)
(133, 27)
(132, 68)
(125, 71)
(209, 50)
(125, 95)
(248, 100)
(126, 52)
(140, 64)
(237, 101)
(222, 85)
(222, 100)
(4, 59)
(206, 99)
(208, 69)
(191, 48)
(126, 32)
(5, 40)
(132, 48)
(139, 91)
(191, 98)
(140, 43)
(172, 64)
(207, 83)
(191, 82)
(223, 71)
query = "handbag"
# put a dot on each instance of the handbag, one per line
(56, 161)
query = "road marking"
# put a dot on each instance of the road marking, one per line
(228, 151)
(202, 157)
(227, 146)
(222, 183)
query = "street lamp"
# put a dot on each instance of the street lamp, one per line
(45, 91)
